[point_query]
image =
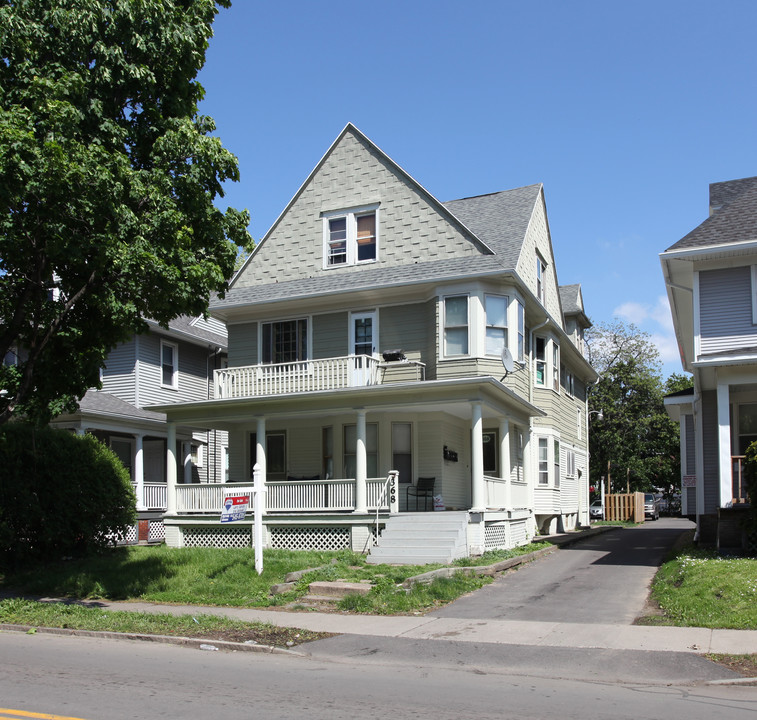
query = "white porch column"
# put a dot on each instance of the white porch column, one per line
(171, 469)
(139, 471)
(361, 465)
(504, 460)
(478, 489)
(260, 447)
(186, 448)
(724, 445)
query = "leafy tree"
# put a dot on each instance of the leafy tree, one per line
(107, 181)
(635, 445)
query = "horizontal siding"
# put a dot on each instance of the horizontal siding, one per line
(243, 344)
(330, 335)
(725, 310)
(119, 373)
(406, 327)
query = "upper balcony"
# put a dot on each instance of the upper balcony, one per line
(305, 376)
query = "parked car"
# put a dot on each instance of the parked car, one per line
(595, 510)
(651, 507)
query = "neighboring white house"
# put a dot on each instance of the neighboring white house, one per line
(367, 333)
(711, 278)
(163, 365)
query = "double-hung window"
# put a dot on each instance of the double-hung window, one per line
(541, 273)
(285, 341)
(496, 324)
(555, 367)
(521, 349)
(169, 365)
(556, 462)
(541, 361)
(350, 237)
(543, 461)
(456, 325)
(371, 450)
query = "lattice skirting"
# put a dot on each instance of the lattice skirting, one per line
(221, 537)
(131, 536)
(157, 531)
(311, 538)
(504, 535)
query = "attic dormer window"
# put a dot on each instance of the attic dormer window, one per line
(350, 237)
(541, 274)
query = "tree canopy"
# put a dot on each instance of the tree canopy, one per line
(108, 177)
(635, 445)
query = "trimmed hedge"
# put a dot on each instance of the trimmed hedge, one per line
(60, 494)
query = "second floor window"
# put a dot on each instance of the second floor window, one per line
(285, 341)
(543, 461)
(350, 238)
(496, 324)
(456, 325)
(541, 361)
(169, 365)
(521, 349)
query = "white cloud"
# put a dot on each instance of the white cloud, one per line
(632, 312)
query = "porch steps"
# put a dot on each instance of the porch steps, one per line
(421, 538)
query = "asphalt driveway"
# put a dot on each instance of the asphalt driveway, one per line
(604, 579)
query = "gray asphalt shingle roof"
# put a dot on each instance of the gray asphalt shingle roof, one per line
(570, 297)
(734, 217)
(103, 403)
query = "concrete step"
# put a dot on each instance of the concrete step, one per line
(338, 589)
(420, 541)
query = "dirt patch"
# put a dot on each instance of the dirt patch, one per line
(745, 665)
(275, 636)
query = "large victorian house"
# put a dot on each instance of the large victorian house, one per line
(374, 329)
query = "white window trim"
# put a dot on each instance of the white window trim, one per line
(174, 384)
(307, 318)
(541, 271)
(443, 316)
(754, 294)
(375, 326)
(506, 326)
(351, 215)
(551, 438)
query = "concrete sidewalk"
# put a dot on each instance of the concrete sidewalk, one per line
(429, 627)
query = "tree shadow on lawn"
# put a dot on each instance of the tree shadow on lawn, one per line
(115, 574)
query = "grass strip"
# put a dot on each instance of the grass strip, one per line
(16, 611)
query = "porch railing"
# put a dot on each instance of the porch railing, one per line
(296, 377)
(499, 495)
(337, 495)
(738, 482)
(153, 495)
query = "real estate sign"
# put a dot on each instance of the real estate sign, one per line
(235, 507)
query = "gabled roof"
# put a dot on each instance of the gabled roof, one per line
(96, 402)
(733, 219)
(195, 330)
(499, 219)
(570, 297)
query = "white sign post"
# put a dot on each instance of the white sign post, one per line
(258, 492)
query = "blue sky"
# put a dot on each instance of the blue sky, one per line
(625, 111)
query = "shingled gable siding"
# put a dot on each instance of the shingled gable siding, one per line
(537, 239)
(353, 176)
(725, 301)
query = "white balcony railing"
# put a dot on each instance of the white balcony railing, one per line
(505, 493)
(297, 377)
(285, 496)
(153, 495)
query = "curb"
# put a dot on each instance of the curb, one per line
(196, 643)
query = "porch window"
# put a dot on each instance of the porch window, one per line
(543, 461)
(496, 324)
(456, 325)
(285, 341)
(570, 463)
(196, 454)
(327, 440)
(491, 447)
(371, 449)
(402, 451)
(747, 426)
(275, 455)
(169, 365)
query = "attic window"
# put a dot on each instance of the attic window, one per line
(350, 237)
(541, 272)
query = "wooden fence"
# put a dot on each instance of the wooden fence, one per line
(625, 507)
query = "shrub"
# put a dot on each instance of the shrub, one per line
(750, 476)
(60, 494)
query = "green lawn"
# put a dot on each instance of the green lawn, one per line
(227, 577)
(698, 588)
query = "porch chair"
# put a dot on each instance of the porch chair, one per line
(424, 488)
